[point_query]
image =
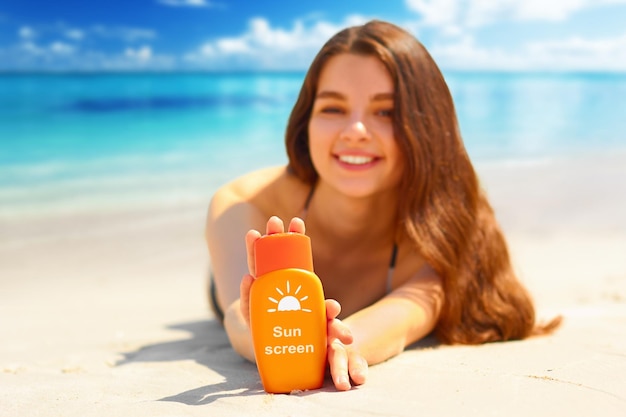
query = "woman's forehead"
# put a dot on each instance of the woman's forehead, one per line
(347, 73)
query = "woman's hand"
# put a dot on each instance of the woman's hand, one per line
(274, 225)
(345, 363)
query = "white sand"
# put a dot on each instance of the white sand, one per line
(104, 314)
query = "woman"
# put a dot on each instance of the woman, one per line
(403, 237)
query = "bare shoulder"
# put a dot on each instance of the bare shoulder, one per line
(238, 206)
(244, 188)
(260, 194)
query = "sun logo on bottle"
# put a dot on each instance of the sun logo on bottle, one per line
(288, 302)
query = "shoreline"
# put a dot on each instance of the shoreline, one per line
(181, 187)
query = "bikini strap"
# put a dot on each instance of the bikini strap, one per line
(392, 267)
(307, 202)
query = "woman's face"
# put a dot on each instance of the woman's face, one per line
(351, 134)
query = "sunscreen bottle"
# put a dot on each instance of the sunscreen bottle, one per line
(287, 314)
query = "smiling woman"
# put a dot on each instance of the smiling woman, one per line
(404, 239)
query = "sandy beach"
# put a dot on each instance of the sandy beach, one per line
(103, 313)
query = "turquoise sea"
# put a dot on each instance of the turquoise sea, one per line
(74, 142)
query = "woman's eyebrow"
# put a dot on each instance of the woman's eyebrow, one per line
(330, 94)
(382, 96)
(339, 96)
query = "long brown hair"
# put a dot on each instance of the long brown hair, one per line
(442, 208)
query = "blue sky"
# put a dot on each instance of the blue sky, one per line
(90, 35)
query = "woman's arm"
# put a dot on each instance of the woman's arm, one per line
(385, 328)
(371, 335)
(234, 209)
(406, 315)
(229, 218)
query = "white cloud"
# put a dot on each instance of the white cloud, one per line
(554, 9)
(453, 24)
(122, 33)
(75, 34)
(61, 48)
(27, 32)
(436, 13)
(142, 54)
(31, 48)
(265, 47)
(228, 46)
(58, 57)
(569, 54)
(464, 53)
(473, 13)
(450, 26)
(55, 46)
(548, 10)
(132, 59)
(584, 54)
(125, 34)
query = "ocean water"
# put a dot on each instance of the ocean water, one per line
(74, 142)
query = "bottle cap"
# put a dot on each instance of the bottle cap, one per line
(281, 251)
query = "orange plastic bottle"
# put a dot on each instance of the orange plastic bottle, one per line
(288, 315)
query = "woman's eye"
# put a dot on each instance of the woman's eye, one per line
(331, 110)
(385, 112)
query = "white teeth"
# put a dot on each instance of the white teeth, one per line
(355, 159)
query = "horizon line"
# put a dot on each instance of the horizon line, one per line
(294, 71)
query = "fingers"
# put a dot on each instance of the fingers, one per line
(244, 296)
(357, 368)
(336, 329)
(251, 237)
(344, 361)
(339, 331)
(296, 225)
(274, 225)
(346, 365)
(333, 308)
(338, 361)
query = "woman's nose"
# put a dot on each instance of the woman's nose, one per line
(355, 130)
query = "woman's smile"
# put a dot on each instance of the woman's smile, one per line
(353, 161)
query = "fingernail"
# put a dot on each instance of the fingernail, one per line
(361, 372)
(343, 380)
